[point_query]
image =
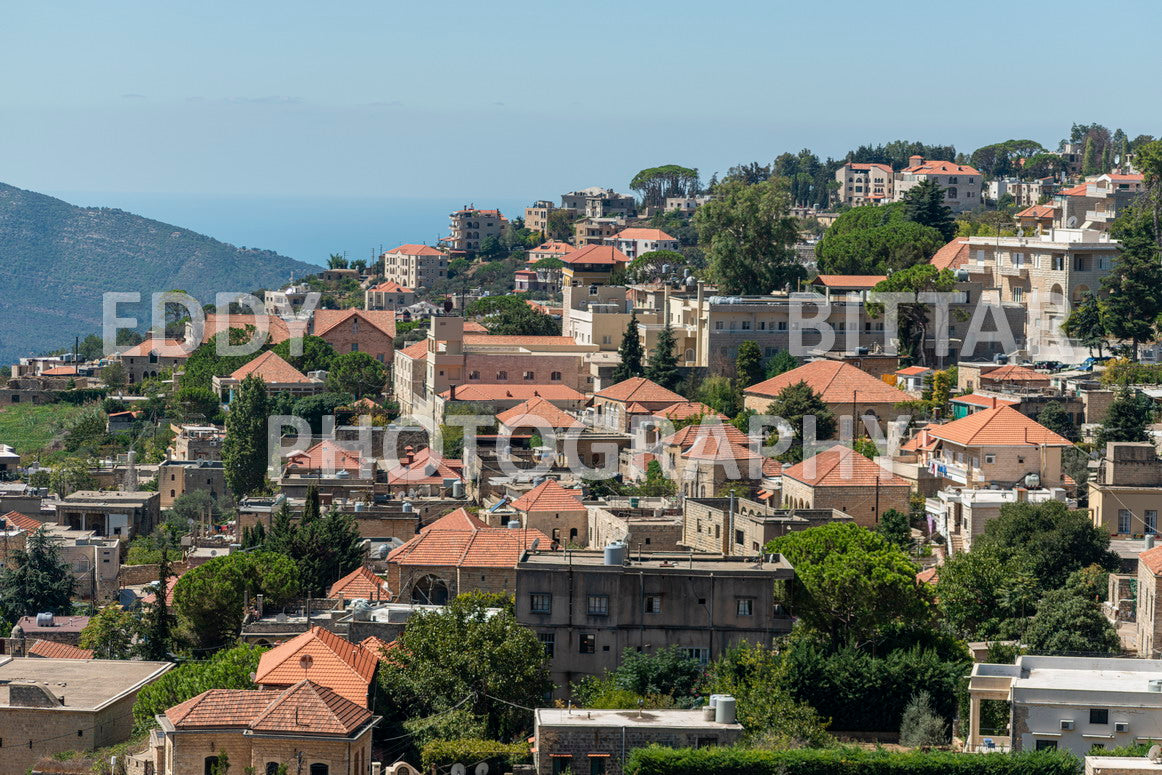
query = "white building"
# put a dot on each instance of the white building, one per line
(960, 515)
(960, 182)
(635, 241)
(1072, 703)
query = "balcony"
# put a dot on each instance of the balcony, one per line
(1013, 270)
(1100, 216)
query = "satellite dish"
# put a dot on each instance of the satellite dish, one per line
(1020, 231)
(482, 768)
(535, 544)
(1155, 753)
(459, 769)
(1071, 222)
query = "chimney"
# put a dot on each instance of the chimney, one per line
(408, 454)
(452, 393)
(915, 160)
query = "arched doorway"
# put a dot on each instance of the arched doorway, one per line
(430, 590)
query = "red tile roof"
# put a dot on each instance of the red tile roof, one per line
(1001, 427)
(47, 649)
(928, 576)
(850, 280)
(276, 328)
(560, 248)
(423, 469)
(1078, 190)
(60, 371)
(460, 519)
(22, 521)
(860, 166)
(913, 371)
(986, 401)
(934, 167)
(1014, 373)
(716, 448)
(537, 412)
(688, 436)
(549, 495)
(652, 235)
(486, 547)
(323, 657)
(519, 341)
(326, 320)
(922, 439)
(640, 390)
(327, 454)
(165, 348)
(596, 254)
(271, 369)
(952, 256)
(305, 708)
(415, 350)
(472, 327)
(684, 410)
(1037, 211)
(835, 382)
(1152, 559)
(841, 466)
(505, 391)
(417, 250)
(391, 286)
(360, 583)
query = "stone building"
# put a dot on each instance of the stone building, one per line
(742, 527)
(49, 706)
(178, 477)
(1149, 613)
(107, 514)
(555, 511)
(844, 480)
(598, 742)
(588, 612)
(1126, 493)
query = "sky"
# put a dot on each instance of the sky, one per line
(483, 102)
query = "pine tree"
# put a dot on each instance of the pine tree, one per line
(749, 364)
(1089, 161)
(244, 448)
(1127, 418)
(36, 579)
(1085, 324)
(1135, 296)
(796, 402)
(924, 204)
(630, 352)
(155, 644)
(663, 364)
(921, 725)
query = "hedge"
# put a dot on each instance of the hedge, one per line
(471, 750)
(657, 760)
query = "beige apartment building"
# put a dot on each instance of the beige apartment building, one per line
(1126, 494)
(1149, 611)
(962, 184)
(863, 184)
(388, 295)
(595, 231)
(414, 266)
(537, 215)
(1095, 203)
(469, 228)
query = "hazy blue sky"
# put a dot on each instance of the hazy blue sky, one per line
(516, 101)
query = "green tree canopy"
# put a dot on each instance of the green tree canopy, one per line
(1069, 622)
(663, 362)
(795, 404)
(1127, 417)
(660, 678)
(1054, 417)
(852, 584)
(749, 237)
(913, 318)
(357, 373)
(1085, 323)
(325, 547)
(748, 364)
(229, 669)
(924, 204)
(110, 633)
(317, 354)
(656, 184)
(876, 239)
(36, 579)
(244, 448)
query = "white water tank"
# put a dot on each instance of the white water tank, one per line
(615, 553)
(724, 710)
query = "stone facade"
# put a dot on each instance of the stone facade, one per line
(176, 478)
(864, 504)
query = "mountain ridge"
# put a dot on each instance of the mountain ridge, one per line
(57, 259)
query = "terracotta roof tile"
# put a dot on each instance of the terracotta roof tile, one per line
(928, 576)
(311, 708)
(1078, 190)
(60, 371)
(415, 350)
(323, 657)
(684, 410)
(935, 167)
(166, 348)
(952, 256)
(596, 254)
(417, 250)
(327, 454)
(1013, 373)
(652, 235)
(691, 434)
(868, 166)
(270, 368)
(47, 649)
(560, 248)
(913, 371)
(640, 390)
(549, 495)
(1002, 427)
(1152, 559)
(326, 320)
(519, 341)
(835, 382)
(391, 286)
(277, 329)
(487, 547)
(537, 409)
(850, 280)
(460, 519)
(841, 466)
(22, 521)
(360, 583)
(1037, 211)
(423, 469)
(221, 708)
(715, 448)
(985, 401)
(501, 391)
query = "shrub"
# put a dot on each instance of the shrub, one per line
(472, 750)
(921, 725)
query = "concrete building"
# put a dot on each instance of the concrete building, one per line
(388, 295)
(1148, 610)
(1126, 493)
(598, 742)
(50, 706)
(594, 231)
(306, 728)
(686, 205)
(537, 215)
(863, 184)
(596, 202)
(415, 266)
(121, 514)
(1069, 703)
(588, 611)
(1097, 202)
(961, 515)
(636, 241)
(469, 228)
(742, 527)
(196, 442)
(286, 302)
(962, 184)
(278, 376)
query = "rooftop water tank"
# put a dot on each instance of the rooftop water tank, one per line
(45, 620)
(514, 524)
(724, 711)
(615, 553)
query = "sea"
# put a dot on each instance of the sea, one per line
(307, 228)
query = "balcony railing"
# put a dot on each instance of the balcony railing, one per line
(1100, 216)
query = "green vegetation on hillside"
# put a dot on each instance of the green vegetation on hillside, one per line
(32, 427)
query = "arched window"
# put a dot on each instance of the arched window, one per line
(318, 768)
(430, 590)
(272, 768)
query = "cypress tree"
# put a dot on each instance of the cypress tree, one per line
(244, 448)
(630, 352)
(663, 363)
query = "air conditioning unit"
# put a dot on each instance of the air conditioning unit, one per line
(1121, 726)
(1066, 723)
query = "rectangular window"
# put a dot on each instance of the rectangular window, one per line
(1151, 522)
(588, 643)
(597, 765)
(562, 764)
(549, 641)
(744, 606)
(653, 604)
(540, 603)
(1123, 520)
(598, 605)
(1099, 716)
(738, 538)
(701, 655)
(1042, 745)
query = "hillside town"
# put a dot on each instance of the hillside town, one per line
(805, 463)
